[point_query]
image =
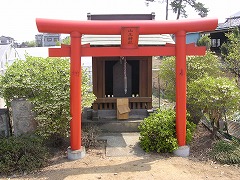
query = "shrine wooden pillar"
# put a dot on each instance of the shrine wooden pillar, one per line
(75, 91)
(181, 87)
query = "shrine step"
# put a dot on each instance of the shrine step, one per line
(107, 120)
(115, 125)
(134, 114)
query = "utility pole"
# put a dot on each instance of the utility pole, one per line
(166, 9)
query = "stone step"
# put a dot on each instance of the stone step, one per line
(115, 125)
(107, 120)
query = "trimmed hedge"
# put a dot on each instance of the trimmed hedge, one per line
(22, 154)
(158, 132)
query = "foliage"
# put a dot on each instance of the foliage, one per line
(226, 152)
(201, 66)
(214, 96)
(231, 53)
(66, 40)
(179, 7)
(190, 128)
(45, 82)
(204, 41)
(30, 43)
(90, 133)
(167, 75)
(197, 67)
(158, 132)
(22, 154)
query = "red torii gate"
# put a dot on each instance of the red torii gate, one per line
(76, 50)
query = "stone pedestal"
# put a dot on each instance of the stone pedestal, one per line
(76, 154)
(23, 117)
(4, 123)
(182, 151)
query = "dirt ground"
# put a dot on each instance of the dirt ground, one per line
(150, 166)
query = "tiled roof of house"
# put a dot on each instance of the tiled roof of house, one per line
(232, 21)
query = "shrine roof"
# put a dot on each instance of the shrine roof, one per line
(115, 40)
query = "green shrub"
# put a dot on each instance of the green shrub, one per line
(158, 132)
(226, 152)
(22, 154)
(190, 130)
(45, 82)
(204, 41)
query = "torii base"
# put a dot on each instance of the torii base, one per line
(182, 151)
(76, 154)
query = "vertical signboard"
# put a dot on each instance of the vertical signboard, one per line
(129, 37)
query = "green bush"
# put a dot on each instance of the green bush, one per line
(44, 82)
(226, 152)
(158, 132)
(204, 41)
(22, 154)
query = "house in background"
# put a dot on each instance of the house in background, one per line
(192, 37)
(218, 36)
(6, 40)
(8, 54)
(47, 39)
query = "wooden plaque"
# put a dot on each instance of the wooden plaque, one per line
(129, 37)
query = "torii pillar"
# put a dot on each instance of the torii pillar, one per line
(128, 48)
(77, 151)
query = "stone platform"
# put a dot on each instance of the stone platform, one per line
(107, 120)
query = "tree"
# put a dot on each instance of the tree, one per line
(231, 53)
(179, 7)
(66, 40)
(215, 96)
(29, 43)
(45, 82)
(204, 41)
(167, 4)
(197, 67)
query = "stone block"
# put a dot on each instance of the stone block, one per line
(4, 123)
(23, 117)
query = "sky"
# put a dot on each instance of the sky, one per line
(17, 17)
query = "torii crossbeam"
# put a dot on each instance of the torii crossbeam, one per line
(129, 31)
